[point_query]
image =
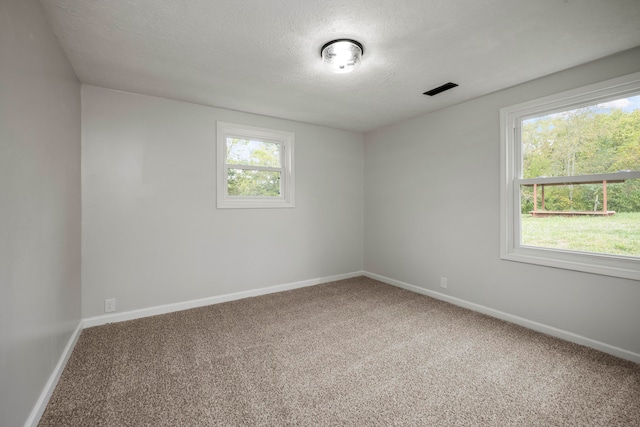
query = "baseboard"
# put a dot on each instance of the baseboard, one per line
(43, 400)
(185, 305)
(530, 324)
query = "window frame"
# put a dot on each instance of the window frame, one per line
(511, 118)
(287, 184)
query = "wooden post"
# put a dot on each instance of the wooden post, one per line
(542, 188)
(535, 197)
(605, 208)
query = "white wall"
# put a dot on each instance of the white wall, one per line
(39, 206)
(432, 194)
(151, 232)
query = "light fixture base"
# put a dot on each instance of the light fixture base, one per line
(342, 55)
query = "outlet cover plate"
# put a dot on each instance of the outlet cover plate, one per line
(110, 305)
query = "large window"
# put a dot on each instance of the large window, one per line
(571, 179)
(255, 167)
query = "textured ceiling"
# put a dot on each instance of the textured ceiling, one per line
(264, 56)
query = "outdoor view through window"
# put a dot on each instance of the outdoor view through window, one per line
(576, 193)
(254, 168)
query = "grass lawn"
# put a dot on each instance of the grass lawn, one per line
(618, 234)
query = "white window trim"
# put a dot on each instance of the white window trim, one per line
(511, 178)
(286, 139)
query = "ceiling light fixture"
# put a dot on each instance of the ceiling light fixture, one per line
(342, 55)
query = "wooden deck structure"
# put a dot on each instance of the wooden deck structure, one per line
(542, 214)
(539, 213)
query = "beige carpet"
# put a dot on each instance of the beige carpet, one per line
(353, 352)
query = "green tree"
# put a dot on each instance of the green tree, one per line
(253, 182)
(583, 141)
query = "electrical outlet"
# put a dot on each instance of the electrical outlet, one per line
(443, 282)
(110, 305)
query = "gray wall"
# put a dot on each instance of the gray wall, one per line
(151, 232)
(39, 206)
(432, 195)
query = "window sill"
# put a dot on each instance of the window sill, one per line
(622, 267)
(254, 204)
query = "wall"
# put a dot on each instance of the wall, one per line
(151, 232)
(39, 206)
(432, 195)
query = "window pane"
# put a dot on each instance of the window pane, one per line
(243, 182)
(253, 153)
(574, 218)
(601, 138)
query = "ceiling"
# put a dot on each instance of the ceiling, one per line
(263, 56)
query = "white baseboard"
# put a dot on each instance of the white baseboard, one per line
(530, 324)
(185, 305)
(43, 400)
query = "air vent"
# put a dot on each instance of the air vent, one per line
(439, 89)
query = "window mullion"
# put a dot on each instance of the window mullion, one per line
(254, 168)
(582, 179)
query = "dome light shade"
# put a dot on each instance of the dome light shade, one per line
(342, 55)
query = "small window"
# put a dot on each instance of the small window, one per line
(255, 167)
(570, 194)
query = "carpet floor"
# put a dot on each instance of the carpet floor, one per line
(352, 352)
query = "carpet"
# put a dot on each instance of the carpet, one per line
(351, 352)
